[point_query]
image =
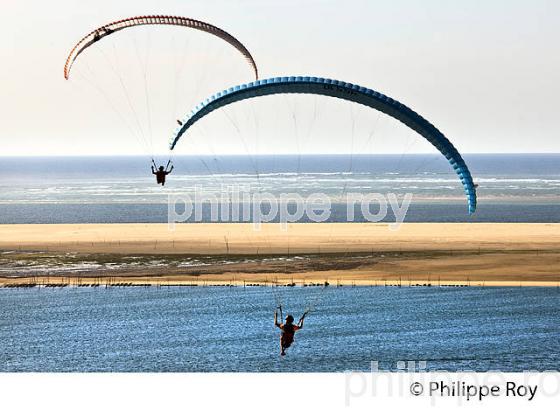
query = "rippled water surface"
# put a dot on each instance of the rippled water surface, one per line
(204, 329)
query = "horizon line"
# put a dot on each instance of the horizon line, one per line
(260, 155)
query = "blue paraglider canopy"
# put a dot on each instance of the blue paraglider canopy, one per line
(345, 91)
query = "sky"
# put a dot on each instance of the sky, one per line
(484, 72)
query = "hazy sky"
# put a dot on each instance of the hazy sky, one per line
(486, 73)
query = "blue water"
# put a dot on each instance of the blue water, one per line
(513, 188)
(206, 329)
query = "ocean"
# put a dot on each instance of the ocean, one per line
(223, 329)
(512, 188)
(217, 329)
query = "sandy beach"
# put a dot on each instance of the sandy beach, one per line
(347, 254)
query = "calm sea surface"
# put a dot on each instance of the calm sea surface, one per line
(512, 188)
(206, 329)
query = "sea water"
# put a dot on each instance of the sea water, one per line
(217, 329)
(512, 188)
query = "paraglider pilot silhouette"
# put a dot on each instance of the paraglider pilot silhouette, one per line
(161, 172)
(288, 329)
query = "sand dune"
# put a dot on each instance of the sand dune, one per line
(224, 238)
(477, 253)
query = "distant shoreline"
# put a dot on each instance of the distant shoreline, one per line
(251, 281)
